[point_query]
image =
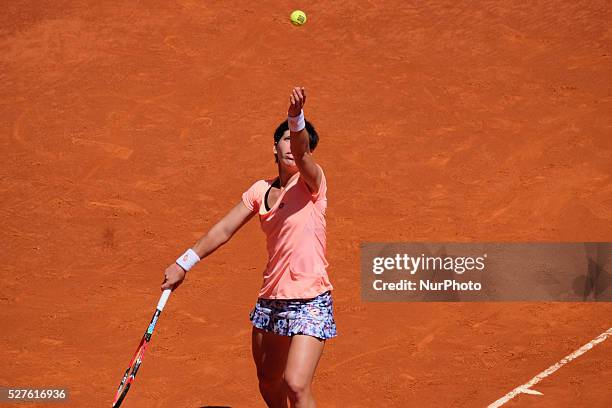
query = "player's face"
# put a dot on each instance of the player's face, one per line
(283, 151)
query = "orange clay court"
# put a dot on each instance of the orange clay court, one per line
(129, 128)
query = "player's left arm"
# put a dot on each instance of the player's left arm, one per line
(310, 171)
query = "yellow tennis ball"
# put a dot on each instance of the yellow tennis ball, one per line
(298, 17)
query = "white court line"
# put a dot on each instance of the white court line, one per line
(526, 388)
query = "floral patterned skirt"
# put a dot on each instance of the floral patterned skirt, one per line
(287, 317)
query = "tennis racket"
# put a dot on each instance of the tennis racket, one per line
(130, 373)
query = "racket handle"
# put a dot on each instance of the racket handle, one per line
(163, 299)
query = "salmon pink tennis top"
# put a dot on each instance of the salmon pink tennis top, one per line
(296, 240)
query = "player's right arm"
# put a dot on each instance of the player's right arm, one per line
(223, 230)
(218, 235)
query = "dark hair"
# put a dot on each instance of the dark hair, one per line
(312, 133)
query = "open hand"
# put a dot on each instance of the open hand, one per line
(297, 99)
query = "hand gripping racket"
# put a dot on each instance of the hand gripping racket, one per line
(130, 373)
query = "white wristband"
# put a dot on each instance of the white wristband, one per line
(188, 259)
(296, 123)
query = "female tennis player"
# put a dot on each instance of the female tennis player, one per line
(293, 315)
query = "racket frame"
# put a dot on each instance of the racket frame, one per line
(136, 361)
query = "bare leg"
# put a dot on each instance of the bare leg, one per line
(270, 355)
(304, 355)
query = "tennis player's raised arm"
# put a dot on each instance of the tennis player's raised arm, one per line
(218, 235)
(300, 142)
